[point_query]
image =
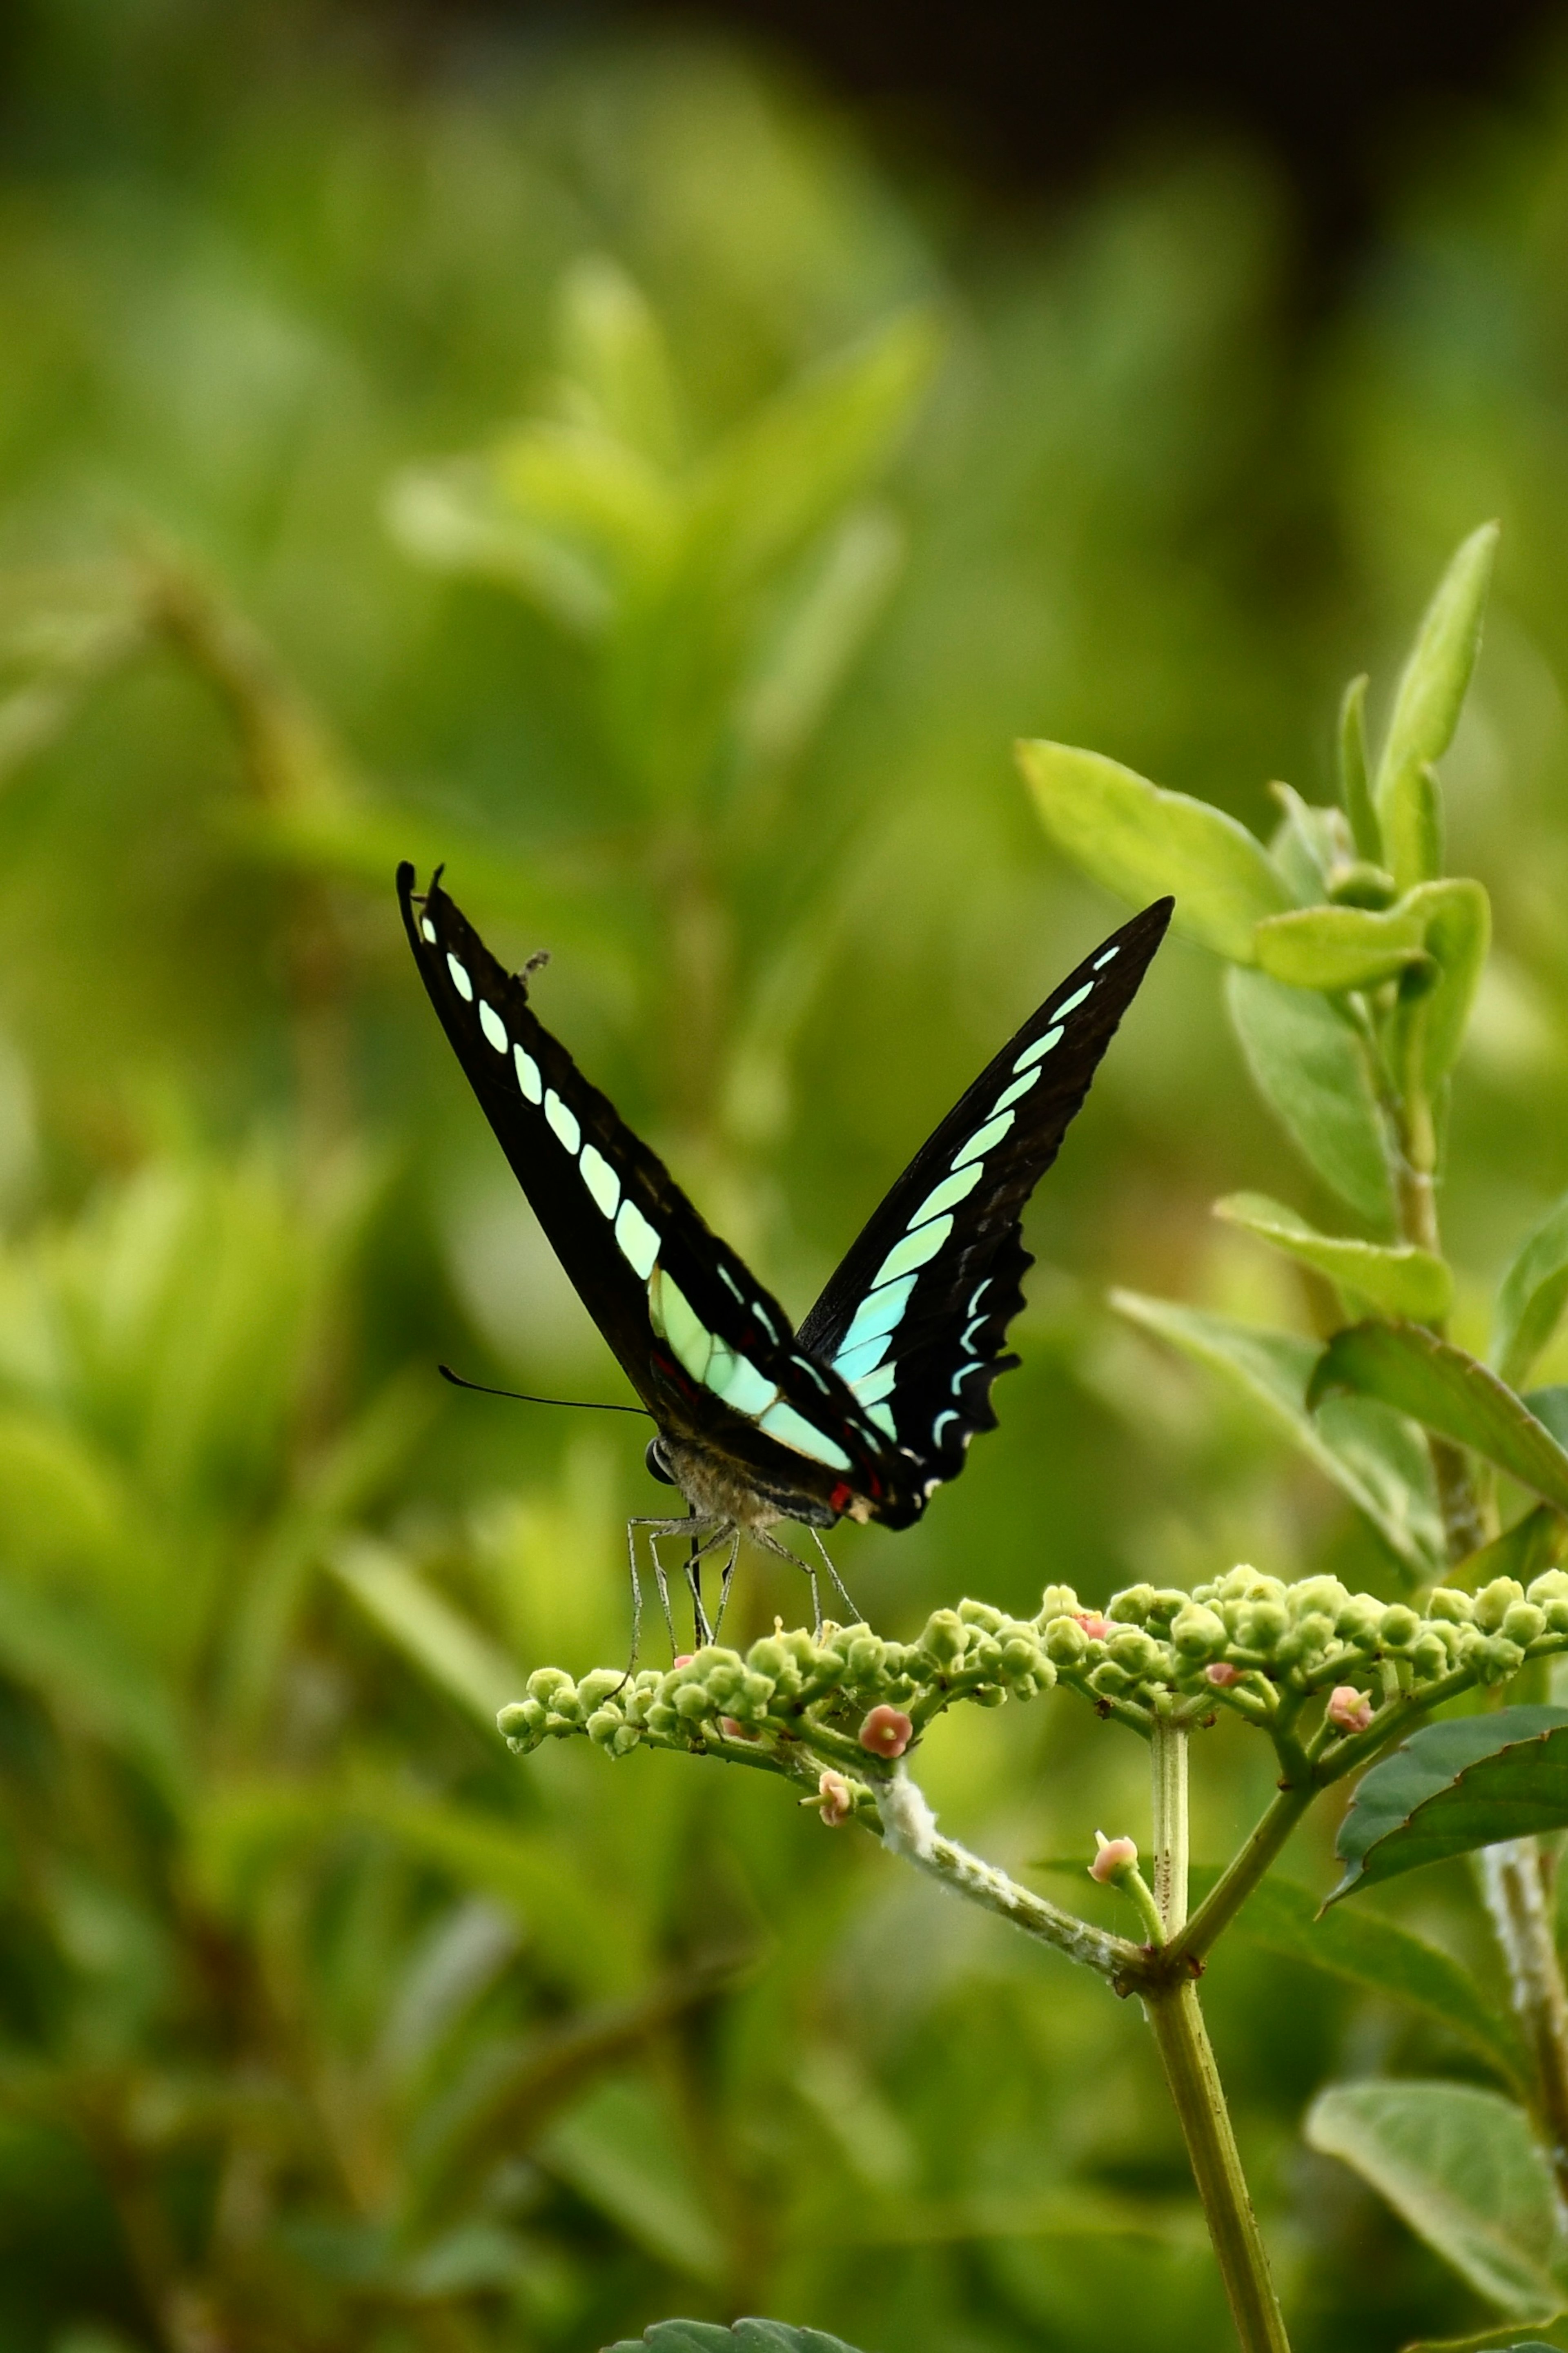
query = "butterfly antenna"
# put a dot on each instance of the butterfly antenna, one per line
(520, 1396)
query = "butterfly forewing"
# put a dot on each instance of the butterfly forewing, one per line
(915, 1319)
(709, 1350)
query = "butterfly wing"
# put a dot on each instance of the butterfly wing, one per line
(706, 1348)
(915, 1320)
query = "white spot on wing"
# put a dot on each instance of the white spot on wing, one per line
(1104, 958)
(493, 1027)
(939, 1424)
(1041, 1046)
(637, 1240)
(460, 981)
(601, 1179)
(794, 1430)
(951, 1189)
(875, 1385)
(979, 1146)
(736, 1381)
(878, 1312)
(1074, 1001)
(528, 1077)
(1019, 1088)
(563, 1120)
(852, 1364)
(428, 928)
(676, 1320)
(916, 1249)
(882, 1415)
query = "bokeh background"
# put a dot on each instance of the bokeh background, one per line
(657, 464)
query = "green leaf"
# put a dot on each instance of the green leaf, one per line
(1364, 1948)
(1337, 948)
(1401, 1281)
(1458, 918)
(1313, 1067)
(1449, 1391)
(1463, 2168)
(616, 361)
(1426, 708)
(1530, 1297)
(1142, 841)
(1532, 1544)
(438, 1639)
(746, 2337)
(1371, 1455)
(1452, 1788)
(1355, 786)
(618, 2149)
(788, 470)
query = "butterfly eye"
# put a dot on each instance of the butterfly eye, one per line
(656, 1466)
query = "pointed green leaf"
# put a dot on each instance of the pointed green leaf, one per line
(619, 2149)
(1530, 1296)
(1371, 1455)
(1426, 708)
(616, 361)
(1140, 841)
(1339, 948)
(1355, 782)
(1364, 1948)
(1463, 2168)
(1336, 948)
(425, 1627)
(1401, 1280)
(1448, 1390)
(1313, 1067)
(1452, 1788)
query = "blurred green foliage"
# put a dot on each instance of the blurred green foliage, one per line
(584, 465)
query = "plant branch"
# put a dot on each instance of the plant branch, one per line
(908, 1827)
(1187, 2057)
(1240, 1876)
(1515, 1891)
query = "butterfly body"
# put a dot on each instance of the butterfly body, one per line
(869, 1408)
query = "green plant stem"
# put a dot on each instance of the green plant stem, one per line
(1515, 1891)
(908, 1827)
(1240, 1876)
(1188, 2060)
(1510, 1874)
(1175, 2015)
(1168, 1791)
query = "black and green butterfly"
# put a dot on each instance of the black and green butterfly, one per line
(867, 1409)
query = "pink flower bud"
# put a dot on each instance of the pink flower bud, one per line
(1222, 1674)
(684, 1661)
(733, 1731)
(1348, 1708)
(1096, 1626)
(837, 1800)
(1115, 1855)
(886, 1732)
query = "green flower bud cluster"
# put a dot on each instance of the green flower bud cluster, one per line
(795, 1700)
(789, 1688)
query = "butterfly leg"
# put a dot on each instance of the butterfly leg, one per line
(772, 1543)
(839, 1587)
(725, 1576)
(653, 1529)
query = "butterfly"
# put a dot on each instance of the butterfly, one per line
(867, 1410)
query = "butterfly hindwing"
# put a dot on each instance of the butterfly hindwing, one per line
(915, 1319)
(709, 1350)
